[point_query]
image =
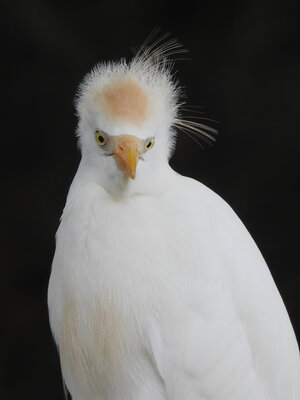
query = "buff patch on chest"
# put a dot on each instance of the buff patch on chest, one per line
(92, 345)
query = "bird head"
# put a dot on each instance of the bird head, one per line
(127, 113)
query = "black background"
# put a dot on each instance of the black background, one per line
(244, 70)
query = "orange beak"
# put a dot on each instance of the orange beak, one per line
(126, 152)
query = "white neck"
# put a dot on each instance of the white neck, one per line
(104, 172)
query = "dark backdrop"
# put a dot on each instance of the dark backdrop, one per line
(244, 70)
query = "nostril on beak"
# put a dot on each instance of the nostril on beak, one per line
(121, 148)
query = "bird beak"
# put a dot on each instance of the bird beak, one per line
(127, 151)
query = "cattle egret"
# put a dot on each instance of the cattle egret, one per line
(157, 290)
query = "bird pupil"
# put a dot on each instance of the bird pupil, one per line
(101, 139)
(148, 145)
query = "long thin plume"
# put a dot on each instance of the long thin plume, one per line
(196, 130)
(159, 49)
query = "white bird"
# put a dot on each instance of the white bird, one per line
(157, 290)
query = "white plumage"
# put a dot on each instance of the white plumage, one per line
(157, 290)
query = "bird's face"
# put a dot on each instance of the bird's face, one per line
(123, 106)
(124, 129)
(126, 150)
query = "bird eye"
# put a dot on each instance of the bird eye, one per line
(149, 144)
(100, 139)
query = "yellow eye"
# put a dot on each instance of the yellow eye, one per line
(100, 139)
(149, 144)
